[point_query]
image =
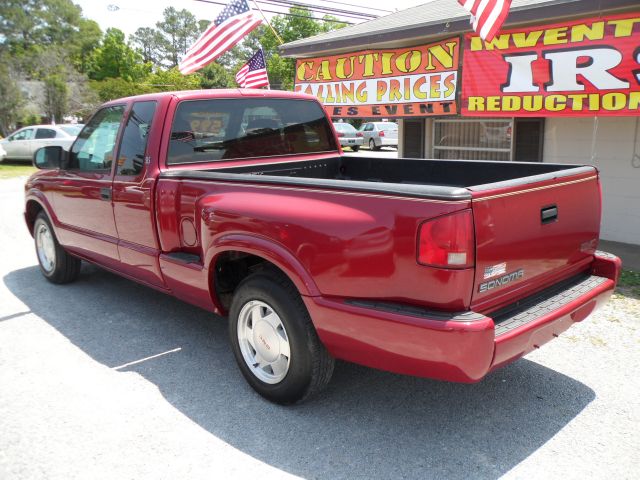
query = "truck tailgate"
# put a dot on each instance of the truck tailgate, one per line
(532, 234)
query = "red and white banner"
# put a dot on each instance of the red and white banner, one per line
(576, 68)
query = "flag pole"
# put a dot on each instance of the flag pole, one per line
(268, 23)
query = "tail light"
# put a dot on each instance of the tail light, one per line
(447, 241)
(340, 134)
(359, 134)
(382, 133)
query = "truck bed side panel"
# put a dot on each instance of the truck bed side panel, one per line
(352, 244)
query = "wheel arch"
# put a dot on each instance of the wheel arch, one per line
(231, 258)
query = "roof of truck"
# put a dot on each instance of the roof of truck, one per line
(215, 93)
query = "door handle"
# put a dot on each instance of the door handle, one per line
(105, 193)
(549, 214)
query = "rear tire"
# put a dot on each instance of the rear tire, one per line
(274, 342)
(355, 149)
(56, 264)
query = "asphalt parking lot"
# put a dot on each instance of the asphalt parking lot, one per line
(107, 379)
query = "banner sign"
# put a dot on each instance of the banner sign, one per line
(402, 82)
(576, 68)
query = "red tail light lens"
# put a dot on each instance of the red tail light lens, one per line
(382, 133)
(340, 134)
(359, 134)
(447, 241)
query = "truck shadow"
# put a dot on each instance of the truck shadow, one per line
(367, 424)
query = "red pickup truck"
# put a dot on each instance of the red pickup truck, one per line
(241, 202)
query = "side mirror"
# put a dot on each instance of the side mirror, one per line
(50, 157)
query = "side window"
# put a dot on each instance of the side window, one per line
(93, 150)
(45, 133)
(26, 134)
(134, 138)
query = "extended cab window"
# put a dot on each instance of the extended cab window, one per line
(209, 130)
(93, 149)
(134, 138)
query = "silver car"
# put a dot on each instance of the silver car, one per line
(348, 136)
(21, 145)
(380, 134)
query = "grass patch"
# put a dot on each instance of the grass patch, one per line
(13, 170)
(629, 284)
(629, 279)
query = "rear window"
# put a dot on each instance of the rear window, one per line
(344, 127)
(210, 130)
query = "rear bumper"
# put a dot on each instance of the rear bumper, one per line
(387, 142)
(350, 142)
(464, 347)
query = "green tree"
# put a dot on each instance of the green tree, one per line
(178, 30)
(168, 80)
(115, 58)
(56, 96)
(215, 75)
(112, 88)
(83, 45)
(148, 42)
(10, 94)
(28, 24)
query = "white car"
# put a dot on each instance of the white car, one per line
(348, 136)
(379, 134)
(22, 144)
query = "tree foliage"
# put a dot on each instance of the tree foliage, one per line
(115, 58)
(51, 42)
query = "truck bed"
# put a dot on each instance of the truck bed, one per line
(439, 179)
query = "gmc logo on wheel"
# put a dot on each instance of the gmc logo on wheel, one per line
(499, 282)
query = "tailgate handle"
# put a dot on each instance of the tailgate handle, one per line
(549, 214)
(105, 193)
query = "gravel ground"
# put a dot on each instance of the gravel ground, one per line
(107, 379)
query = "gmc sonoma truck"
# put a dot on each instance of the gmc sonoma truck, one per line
(242, 203)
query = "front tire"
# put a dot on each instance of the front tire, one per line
(274, 342)
(56, 264)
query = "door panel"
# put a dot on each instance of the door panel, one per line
(133, 195)
(83, 197)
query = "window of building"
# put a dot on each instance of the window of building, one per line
(473, 139)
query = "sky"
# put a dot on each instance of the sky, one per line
(128, 16)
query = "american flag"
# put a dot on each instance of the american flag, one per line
(487, 15)
(253, 74)
(233, 23)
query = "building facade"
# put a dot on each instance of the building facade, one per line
(560, 83)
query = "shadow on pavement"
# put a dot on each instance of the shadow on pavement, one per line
(367, 424)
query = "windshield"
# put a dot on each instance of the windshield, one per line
(72, 130)
(210, 130)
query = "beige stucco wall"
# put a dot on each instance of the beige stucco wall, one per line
(616, 153)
